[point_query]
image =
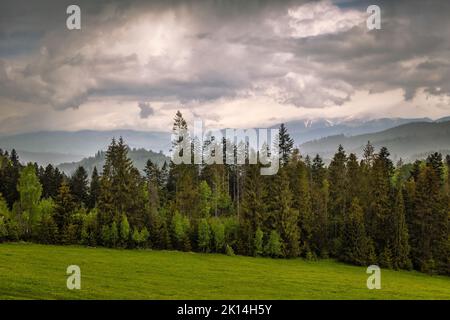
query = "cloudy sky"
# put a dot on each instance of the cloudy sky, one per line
(231, 63)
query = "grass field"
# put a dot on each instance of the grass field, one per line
(30, 271)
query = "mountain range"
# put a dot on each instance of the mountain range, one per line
(138, 156)
(406, 138)
(409, 141)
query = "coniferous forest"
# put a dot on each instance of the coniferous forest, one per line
(360, 211)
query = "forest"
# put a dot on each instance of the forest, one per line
(359, 211)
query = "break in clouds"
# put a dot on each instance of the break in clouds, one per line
(233, 63)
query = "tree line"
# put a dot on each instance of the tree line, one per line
(360, 211)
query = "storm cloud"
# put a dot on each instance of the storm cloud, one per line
(306, 57)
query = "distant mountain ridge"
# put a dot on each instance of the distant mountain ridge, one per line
(306, 130)
(84, 143)
(65, 147)
(138, 156)
(408, 141)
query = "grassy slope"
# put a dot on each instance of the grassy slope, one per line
(29, 271)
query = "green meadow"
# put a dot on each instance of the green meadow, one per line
(31, 271)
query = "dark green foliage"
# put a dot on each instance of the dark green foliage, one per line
(287, 216)
(51, 179)
(94, 189)
(253, 208)
(65, 207)
(273, 247)
(258, 242)
(204, 236)
(79, 186)
(338, 200)
(286, 144)
(400, 242)
(359, 211)
(355, 243)
(9, 176)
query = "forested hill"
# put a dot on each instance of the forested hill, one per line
(84, 143)
(409, 141)
(138, 156)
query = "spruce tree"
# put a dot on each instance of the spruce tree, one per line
(355, 243)
(400, 243)
(286, 144)
(9, 177)
(94, 189)
(273, 247)
(286, 217)
(379, 211)
(79, 186)
(338, 195)
(64, 209)
(204, 236)
(429, 222)
(253, 208)
(258, 242)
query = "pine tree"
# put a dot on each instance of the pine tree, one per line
(9, 177)
(400, 243)
(273, 247)
(114, 235)
(204, 236)
(79, 186)
(286, 144)
(218, 235)
(318, 171)
(429, 222)
(355, 243)
(204, 206)
(94, 189)
(368, 154)
(48, 230)
(286, 216)
(258, 242)
(353, 178)
(253, 208)
(379, 212)
(65, 207)
(337, 197)
(124, 231)
(51, 179)
(106, 235)
(319, 204)
(121, 187)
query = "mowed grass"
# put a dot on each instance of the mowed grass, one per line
(31, 271)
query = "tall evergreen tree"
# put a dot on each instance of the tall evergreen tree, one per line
(338, 195)
(378, 218)
(253, 208)
(286, 143)
(400, 243)
(94, 189)
(65, 207)
(79, 186)
(9, 177)
(356, 246)
(286, 216)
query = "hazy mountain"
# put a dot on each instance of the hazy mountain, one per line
(45, 158)
(61, 146)
(409, 141)
(138, 156)
(84, 143)
(307, 130)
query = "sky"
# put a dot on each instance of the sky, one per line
(237, 64)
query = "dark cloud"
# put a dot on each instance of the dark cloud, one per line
(146, 110)
(197, 51)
